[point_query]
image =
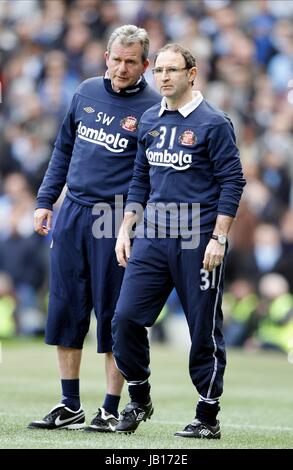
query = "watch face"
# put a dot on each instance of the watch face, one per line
(222, 239)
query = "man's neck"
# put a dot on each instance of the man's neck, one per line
(173, 104)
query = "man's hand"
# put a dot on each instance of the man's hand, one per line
(123, 244)
(214, 255)
(215, 252)
(43, 221)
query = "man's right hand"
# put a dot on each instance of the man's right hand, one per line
(123, 244)
(43, 221)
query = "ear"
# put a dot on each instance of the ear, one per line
(106, 56)
(146, 64)
(192, 74)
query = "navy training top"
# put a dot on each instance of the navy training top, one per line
(96, 146)
(188, 159)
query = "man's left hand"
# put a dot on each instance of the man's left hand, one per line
(214, 255)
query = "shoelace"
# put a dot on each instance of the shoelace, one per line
(194, 424)
(53, 414)
(98, 419)
(198, 424)
(128, 414)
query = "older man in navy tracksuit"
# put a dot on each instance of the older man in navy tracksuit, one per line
(94, 154)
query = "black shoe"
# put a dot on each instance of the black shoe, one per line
(103, 422)
(200, 430)
(132, 415)
(61, 417)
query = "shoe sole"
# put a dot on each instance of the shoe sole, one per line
(88, 429)
(73, 427)
(133, 430)
(192, 436)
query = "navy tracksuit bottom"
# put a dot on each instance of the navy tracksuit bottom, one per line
(155, 267)
(84, 275)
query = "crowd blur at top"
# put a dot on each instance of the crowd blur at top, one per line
(244, 52)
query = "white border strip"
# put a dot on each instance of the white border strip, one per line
(213, 334)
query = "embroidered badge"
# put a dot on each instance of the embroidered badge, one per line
(188, 137)
(129, 123)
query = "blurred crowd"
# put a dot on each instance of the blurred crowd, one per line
(244, 52)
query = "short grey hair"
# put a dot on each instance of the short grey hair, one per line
(189, 58)
(131, 34)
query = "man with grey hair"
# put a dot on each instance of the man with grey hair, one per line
(94, 155)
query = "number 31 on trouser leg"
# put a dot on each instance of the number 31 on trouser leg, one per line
(208, 279)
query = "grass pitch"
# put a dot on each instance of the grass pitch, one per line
(257, 411)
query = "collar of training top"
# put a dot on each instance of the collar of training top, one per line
(187, 108)
(129, 91)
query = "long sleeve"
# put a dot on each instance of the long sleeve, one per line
(227, 168)
(139, 188)
(55, 177)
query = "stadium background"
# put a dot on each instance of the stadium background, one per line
(244, 51)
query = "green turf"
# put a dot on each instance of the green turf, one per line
(257, 409)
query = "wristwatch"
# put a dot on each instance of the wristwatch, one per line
(222, 239)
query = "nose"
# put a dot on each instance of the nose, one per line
(165, 75)
(122, 67)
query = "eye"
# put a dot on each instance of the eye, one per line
(158, 70)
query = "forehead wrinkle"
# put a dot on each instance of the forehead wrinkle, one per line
(129, 51)
(171, 59)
